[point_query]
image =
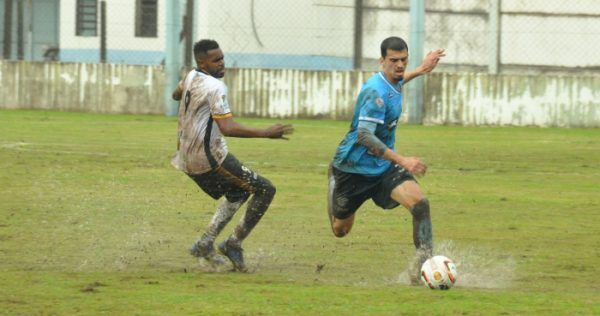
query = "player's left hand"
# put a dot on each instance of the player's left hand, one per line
(414, 165)
(432, 59)
(279, 130)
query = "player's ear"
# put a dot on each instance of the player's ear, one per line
(201, 63)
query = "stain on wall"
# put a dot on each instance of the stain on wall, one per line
(450, 98)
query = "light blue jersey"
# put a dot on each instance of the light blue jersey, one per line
(379, 102)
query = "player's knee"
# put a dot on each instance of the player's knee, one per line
(420, 209)
(340, 230)
(269, 190)
(265, 188)
(239, 197)
(339, 233)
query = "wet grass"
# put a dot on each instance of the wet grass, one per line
(93, 219)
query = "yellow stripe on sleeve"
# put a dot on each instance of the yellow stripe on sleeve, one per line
(221, 116)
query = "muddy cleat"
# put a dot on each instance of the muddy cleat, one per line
(415, 280)
(205, 250)
(235, 254)
(414, 273)
(414, 269)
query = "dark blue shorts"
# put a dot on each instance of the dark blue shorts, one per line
(348, 191)
(231, 179)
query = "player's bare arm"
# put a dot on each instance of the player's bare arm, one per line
(429, 63)
(378, 148)
(229, 127)
(178, 92)
(369, 140)
(412, 164)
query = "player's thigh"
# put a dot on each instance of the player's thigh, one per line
(211, 183)
(408, 193)
(346, 193)
(241, 178)
(344, 206)
(389, 180)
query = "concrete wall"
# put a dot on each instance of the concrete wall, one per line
(464, 99)
(294, 93)
(100, 88)
(519, 100)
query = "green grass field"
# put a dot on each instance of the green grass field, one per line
(94, 220)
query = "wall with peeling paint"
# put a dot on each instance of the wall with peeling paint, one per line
(450, 98)
(100, 88)
(518, 100)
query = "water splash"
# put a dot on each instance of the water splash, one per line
(477, 267)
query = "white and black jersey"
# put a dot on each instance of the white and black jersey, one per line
(201, 147)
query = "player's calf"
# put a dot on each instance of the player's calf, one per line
(422, 235)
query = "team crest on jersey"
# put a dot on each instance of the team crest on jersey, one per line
(379, 101)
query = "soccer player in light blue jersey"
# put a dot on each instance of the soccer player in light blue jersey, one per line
(366, 164)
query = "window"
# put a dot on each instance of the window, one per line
(87, 18)
(145, 18)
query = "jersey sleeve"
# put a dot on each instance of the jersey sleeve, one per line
(372, 107)
(219, 106)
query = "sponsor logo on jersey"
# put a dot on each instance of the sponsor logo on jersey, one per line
(392, 124)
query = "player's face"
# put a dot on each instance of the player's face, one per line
(213, 63)
(394, 64)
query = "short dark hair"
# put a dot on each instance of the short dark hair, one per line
(203, 46)
(393, 43)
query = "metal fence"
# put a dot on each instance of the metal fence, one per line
(479, 35)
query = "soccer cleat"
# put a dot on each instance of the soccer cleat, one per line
(414, 269)
(235, 254)
(205, 250)
(414, 275)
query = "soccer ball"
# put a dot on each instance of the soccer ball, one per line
(438, 273)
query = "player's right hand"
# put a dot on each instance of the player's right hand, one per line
(279, 130)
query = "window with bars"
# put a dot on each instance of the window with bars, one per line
(87, 18)
(145, 18)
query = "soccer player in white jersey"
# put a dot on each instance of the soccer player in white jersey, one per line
(204, 118)
(366, 165)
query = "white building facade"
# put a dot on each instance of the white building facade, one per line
(320, 34)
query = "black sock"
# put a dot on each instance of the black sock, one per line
(257, 207)
(422, 235)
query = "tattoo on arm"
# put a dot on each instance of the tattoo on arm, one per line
(369, 140)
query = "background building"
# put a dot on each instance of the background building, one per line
(550, 35)
(508, 62)
(30, 29)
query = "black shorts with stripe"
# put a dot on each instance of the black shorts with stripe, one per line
(348, 191)
(231, 179)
